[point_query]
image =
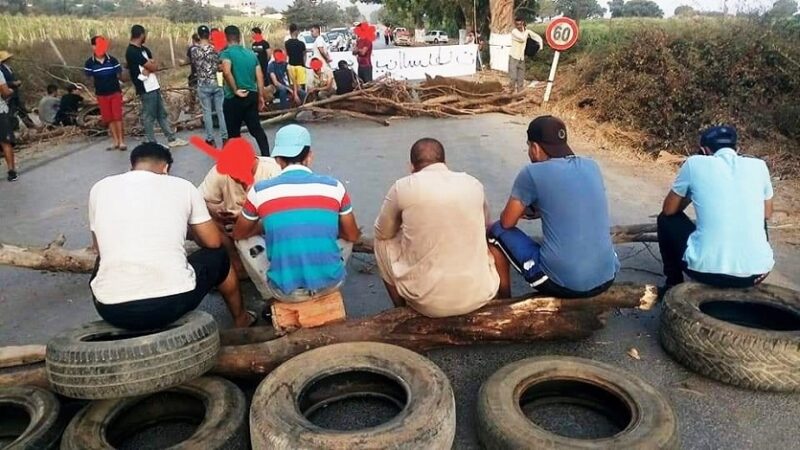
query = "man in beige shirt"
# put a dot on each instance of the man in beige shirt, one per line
(430, 238)
(516, 56)
(225, 196)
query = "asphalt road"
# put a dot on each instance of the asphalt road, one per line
(51, 198)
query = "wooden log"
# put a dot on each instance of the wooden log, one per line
(524, 319)
(503, 321)
(353, 114)
(17, 355)
(55, 258)
(314, 313)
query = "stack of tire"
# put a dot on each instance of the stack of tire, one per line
(137, 379)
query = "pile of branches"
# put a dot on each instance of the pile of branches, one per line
(437, 97)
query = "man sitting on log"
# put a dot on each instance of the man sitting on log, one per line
(225, 190)
(430, 238)
(143, 278)
(732, 197)
(308, 222)
(576, 258)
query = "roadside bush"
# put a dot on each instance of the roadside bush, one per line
(671, 78)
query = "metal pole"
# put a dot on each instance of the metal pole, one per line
(552, 77)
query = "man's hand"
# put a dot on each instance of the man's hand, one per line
(262, 105)
(224, 216)
(242, 93)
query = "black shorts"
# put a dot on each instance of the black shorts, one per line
(7, 125)
(211, 267)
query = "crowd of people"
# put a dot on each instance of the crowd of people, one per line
(305, 222)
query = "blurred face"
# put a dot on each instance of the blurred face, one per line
(315, 32)
(520, 25)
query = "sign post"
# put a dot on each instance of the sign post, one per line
(562, 34)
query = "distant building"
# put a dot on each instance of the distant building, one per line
(248, 8)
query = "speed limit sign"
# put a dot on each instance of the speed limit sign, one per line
(562, 34)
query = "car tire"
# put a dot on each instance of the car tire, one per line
(644, 416)
(131, 363)
(711, 331)
(30, 415)
(417, 387)
(215, 404)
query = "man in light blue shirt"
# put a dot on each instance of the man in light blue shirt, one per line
(576, 257)
(732, 198)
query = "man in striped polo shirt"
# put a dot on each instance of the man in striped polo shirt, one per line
(104, 70)
(307, 219)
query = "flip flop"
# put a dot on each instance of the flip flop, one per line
(254, 318)
(113, 147)
(122, 148)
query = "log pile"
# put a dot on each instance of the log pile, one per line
(378, 101)
(55, 258)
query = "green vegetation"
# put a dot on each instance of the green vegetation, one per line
(670, 78)
(306, 13)
(634, 8)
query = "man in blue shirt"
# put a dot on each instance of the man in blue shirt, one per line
(732, 197)
(576, 258)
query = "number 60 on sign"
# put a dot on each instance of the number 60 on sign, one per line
(561, 35)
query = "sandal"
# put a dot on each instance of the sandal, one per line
(110, 148)
(122, 147)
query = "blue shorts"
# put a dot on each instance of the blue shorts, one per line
(521, 251)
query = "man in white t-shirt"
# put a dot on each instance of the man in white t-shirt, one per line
(139, 222)
(320, 46)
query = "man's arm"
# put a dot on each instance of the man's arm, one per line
(674, 204)
(348, 229)
(511, 214)
(260, 82)
(245, 227)
(228, 75)
(389, 220)
(768, 209)
(206, 234)
(678, 197)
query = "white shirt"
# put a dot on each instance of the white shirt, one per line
(320, 42)
(3, 104)
(518, 41)
(140, 220)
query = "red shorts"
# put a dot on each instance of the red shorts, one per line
(110, 107)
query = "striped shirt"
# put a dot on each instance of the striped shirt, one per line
(105, 74)
(300, 213)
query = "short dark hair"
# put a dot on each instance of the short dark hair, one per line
(316, 27)
(232, 33)
(71, 88)
(256, 30)
(426, 151)
(137, 31)
(299, 158)
(52, 88)
(292, 27)
(342, 64)
(93, 40)
(151, 151)
(195, 38)
(519, 19)
(203, 33)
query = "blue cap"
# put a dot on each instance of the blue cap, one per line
(290, 141)
(718, 137)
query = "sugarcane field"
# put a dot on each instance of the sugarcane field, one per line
(399, 224)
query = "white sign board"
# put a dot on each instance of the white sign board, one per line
(413, 63)
(499, 48)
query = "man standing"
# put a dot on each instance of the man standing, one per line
(576, 258)
(139, 222)
(307, 219)
(206, 62)
(430, 238)
(142, 68)
(732, 197)
(244, 90)
(48, 105)
(261, 48)
(15, 103)
(104, 70)
(296, 51)
(516, 57)
(7, 129)
(320, 46)
(278, 74)
(363, 54)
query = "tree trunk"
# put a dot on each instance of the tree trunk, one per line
(502, 13)
(525, 319)
(55, 258)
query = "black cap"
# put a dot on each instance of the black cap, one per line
(203, 29)
(551, 134)
(718, 137)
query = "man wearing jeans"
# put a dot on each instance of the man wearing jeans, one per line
(206, 63)
(732, 197)
(576, 257)
(142, 68)
(308, 222)
(244, 89)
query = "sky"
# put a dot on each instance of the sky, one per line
(668, 6)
